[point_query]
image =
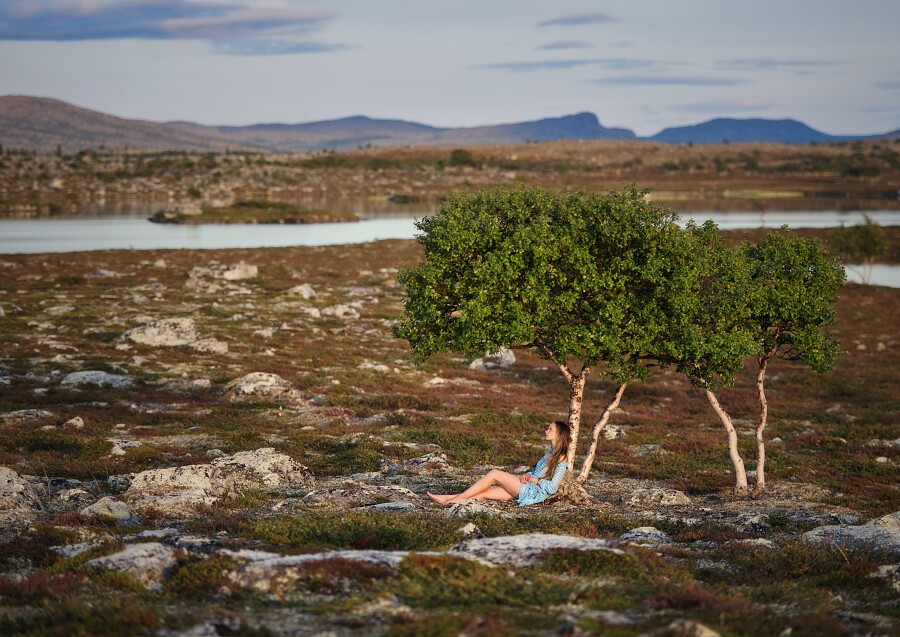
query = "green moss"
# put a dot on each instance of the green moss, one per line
(201, 578)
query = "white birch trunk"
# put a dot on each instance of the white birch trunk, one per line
(740, 475)
(595, 434)
(763, 419)
(576, 397)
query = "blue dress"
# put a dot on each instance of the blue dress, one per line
(531, 493)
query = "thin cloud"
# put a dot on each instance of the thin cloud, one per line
(565, 44)
(768, 64)
(614, 64)
(590, 17)
(890, 85)
(663, 80)
(77, 20)
(726, 106)
(273, 47)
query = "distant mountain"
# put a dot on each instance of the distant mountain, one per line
(715, 131)
(42, 124)
(352, 132)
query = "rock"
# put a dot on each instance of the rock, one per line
(71, 550)
(890, 572)
(112, 508)
(267, 571)
(470, 529)
(883, 532)
(16, 494)
(74, 495)
(526, 549)
(198, 544)
(656, 497)
(74, 423)
(25, 415)
(394, 507)
(341, 311)
(468, 507)
(102, 379)
(757, 541)
(148, 563)
(649, 449)
(183, 489)
(428, 463)
(687, 628)
(437, 381)
(171, 332)
(261, 385)
(646, 535)
(304, 291)
(240, 271)
(209, 345)
(505, 358)
(754, 523)
(613, 432)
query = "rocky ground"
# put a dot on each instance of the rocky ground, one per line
(231, 442)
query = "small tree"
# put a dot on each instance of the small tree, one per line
(863, 243)
(794, 287)
(572, 277)
(707, 336)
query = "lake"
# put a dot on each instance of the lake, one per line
(126, 227)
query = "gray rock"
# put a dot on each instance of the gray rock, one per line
(354, 494)
(656, 497)
(526, 549)
(394, 507)
(469, 507)
(112, 508)
(93, 377)
(261, 385)
(23, 415)
(170, 332)
(74, 495)
(687, 628)
(341, 311)
(304, 291)
(883, 532)
(16, 494)
(613, 432)
(265, 467)
(240, 271)
(646, 535)
(71, 550)
(74, 423)
(428, 463)
(890, 572)
(209, 345)
(148, 563)
(199, 544)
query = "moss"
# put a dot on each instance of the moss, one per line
(201, 578)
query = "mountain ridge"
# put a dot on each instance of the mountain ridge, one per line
(45, 124)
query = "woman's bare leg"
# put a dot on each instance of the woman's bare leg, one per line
(509, 483)
(494, 493)
(440, 498)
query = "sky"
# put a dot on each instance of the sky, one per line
(639, 64)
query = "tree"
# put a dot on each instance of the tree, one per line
(708, 335)
(793, 289)
(863, 243)
(462, 157)
(573, 277)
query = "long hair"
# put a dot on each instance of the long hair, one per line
(560, 448)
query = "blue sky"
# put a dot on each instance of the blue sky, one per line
(639, 64)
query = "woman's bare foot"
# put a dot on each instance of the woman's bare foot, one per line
(441, 499)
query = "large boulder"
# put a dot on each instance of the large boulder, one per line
(115, 509)
(883, 532)
(354, 494)
(179, 490)
(656, 497)
(239, 271)
(96, 377)
(16, 494)
(526, 549)
(261, 386)
(148, 563)
(170, 332)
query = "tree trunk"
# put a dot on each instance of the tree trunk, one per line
(595, 434)
(763, 419)
(576, 396)
(740, 475)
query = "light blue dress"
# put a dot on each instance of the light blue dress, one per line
(531, 493)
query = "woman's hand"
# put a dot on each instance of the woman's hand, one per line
(525, 478)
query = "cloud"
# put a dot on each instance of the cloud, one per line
(615, 64)
(890, 85)
(565, 44)
(273, 47)
(727, 106)
(661, 80)
(590, 17)
(769, 64)
(75, 20)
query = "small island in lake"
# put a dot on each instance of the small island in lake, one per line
(251, 211)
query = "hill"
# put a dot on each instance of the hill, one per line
(42, 124)
(715, 131)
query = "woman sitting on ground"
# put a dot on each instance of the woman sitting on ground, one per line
(528, 488)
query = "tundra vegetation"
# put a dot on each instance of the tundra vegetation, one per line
(287, 555)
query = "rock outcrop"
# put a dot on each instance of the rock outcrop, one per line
(16, 494)
(148, 563)
(526, 549)
(112, 508)
(96, 377)
(883, 532)
(261, 386)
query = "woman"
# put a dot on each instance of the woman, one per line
(529, 488)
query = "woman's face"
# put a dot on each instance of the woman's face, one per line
(551, 433)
